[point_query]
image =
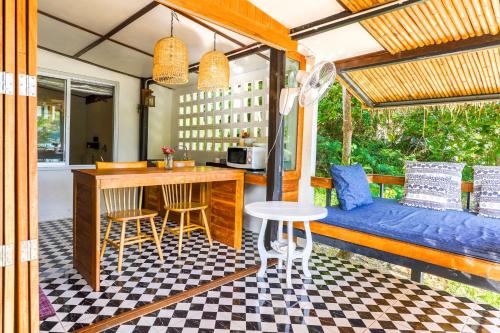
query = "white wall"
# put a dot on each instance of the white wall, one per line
(204, 156)
(55, 185)
(160, 127)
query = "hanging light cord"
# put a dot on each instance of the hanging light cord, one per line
(215, 37)
(173, 16)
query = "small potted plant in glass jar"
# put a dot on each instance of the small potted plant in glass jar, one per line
(169, 157)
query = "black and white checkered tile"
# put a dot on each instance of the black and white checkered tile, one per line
(340, 297)
(144, 279)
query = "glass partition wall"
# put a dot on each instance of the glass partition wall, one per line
(75, 121)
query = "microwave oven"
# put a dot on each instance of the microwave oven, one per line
(252, 158)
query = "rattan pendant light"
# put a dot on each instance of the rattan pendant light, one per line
(213, 71)
(170, 61)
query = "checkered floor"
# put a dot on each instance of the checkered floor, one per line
(144, 279)
(340, 296)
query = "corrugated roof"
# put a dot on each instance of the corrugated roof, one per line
(430, 22)
(465, 74)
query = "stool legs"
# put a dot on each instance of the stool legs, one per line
(122, 244)
(155, 237)
(262, 249)
(138, 224)
(307, 250)
(106, 237)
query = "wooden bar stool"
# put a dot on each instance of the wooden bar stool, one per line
(124, 205)
(177, 198)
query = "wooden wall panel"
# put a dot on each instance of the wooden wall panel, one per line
(18, 169)
(33, 163)
(1, 171)
(9, 162)
(21, 189)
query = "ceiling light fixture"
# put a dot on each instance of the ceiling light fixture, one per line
(170, 60)
(213, 71)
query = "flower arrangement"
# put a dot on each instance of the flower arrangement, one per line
(167, 151)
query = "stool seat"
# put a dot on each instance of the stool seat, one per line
(125, 215)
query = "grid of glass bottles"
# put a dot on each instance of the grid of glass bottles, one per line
(213, 121)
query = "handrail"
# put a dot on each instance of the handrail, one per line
(324, 182)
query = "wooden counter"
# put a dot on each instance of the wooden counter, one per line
(224, 194)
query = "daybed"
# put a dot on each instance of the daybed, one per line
(458, 245)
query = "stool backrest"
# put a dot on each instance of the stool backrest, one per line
(126, 198)
(176, 193)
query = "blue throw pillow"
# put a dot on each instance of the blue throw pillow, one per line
(351, 185)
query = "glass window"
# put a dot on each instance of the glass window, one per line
(51, 119)
(74, 127)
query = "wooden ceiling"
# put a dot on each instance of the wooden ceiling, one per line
(438, 51)
(464, 74)
(430, 22)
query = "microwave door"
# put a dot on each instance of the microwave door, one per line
(237, 156)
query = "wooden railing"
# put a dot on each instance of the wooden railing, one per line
(381, 180)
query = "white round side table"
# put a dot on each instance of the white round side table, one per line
(290, 212)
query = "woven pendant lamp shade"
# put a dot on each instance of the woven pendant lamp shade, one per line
(170, 63)
(213, 71)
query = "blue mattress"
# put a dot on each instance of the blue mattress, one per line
(451, 231)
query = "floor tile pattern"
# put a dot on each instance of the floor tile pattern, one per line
(340, 297)
(144, 279)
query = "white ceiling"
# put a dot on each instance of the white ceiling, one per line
(101, 16)
(345, 42)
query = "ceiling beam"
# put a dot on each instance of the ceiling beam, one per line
(92, 32)
(241, 52)
(87, 62)
(242, 17)
(384, 58)
(141, 12)
(434, 101)
(215, 30)
(344, 18)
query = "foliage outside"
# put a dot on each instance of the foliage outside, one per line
(382, 141)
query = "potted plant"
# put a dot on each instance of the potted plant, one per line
(169, 157)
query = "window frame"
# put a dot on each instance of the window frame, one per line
(68, 77)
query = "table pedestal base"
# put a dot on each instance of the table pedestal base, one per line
(291, 254)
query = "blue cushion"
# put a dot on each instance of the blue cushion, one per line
(459, 232)
(351, 185)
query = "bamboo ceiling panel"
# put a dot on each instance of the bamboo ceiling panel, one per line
(465, 74)
(430, 22)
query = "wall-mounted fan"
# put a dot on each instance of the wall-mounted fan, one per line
(309, 86)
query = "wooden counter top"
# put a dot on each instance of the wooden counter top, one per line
(112, 178)
(222, 192)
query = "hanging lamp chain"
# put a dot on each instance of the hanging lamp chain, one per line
(173, 16)
(215, 37)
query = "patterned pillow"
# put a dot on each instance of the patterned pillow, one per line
(486, 187)
(426, 190)
(451, 170)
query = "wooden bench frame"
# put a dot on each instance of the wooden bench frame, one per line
(470, 270)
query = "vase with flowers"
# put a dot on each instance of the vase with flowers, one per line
(168, 152)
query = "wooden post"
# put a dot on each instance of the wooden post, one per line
(275, 139)
(143, 124)
(346, 127)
